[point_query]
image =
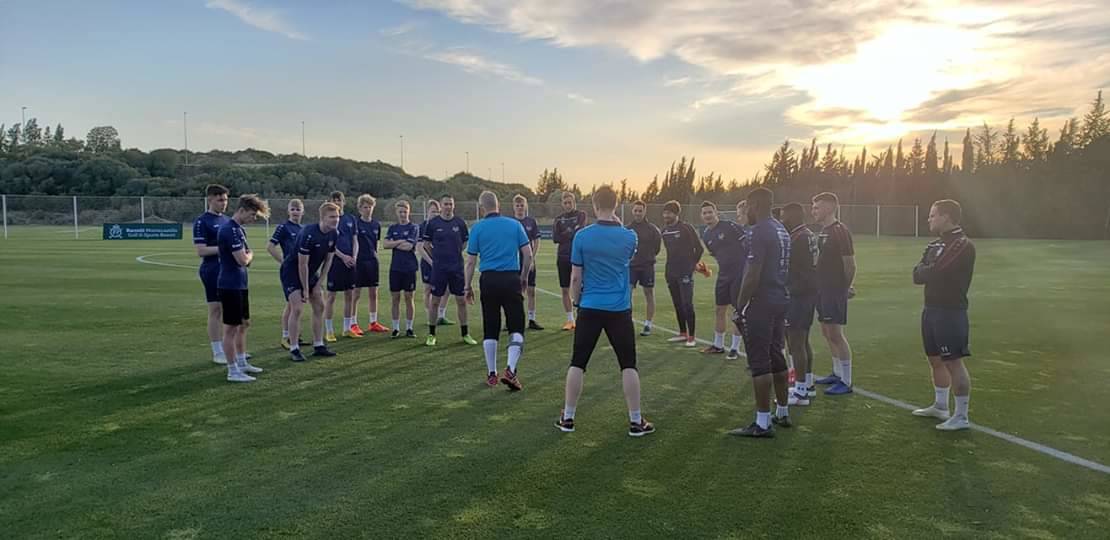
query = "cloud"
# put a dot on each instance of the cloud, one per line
(270, 20)
(580, 98)
(472, 62)
(676, 82)
(398, 30)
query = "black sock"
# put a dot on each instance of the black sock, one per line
(465, 330)
(432, 329)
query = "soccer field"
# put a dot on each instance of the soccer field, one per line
(115, 423)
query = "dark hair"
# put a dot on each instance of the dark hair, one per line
(251, 201)
(950, 208)
(709, 204)
(761, 200)
(640, 202)
(605, 198)
(794, 213)
(777, 213)
(446, 196)
(827, 196)
(214, 190)
(672, 207)
(338, 196)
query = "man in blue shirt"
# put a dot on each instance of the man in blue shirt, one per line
(601, 289)
(285, 240)
(367, 272)
(301, 272)
(532, 231)
(506, 255)
(761, 314)
(204, 240)
(341, 277)
(445, 235)
(235, 256)
(402, 237)
(728, 243)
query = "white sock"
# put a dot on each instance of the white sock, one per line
(782, 411)
(285, 333)
(346, 323)
(354, 320)
(329, 326)
(961, 405)
(836, 366)
(294, 345)
(846, 371)
(635, 417)
(217, 348)
(443, 312)
(532, 315)
(570, 316)
(397, 324)
(489, 346)
(408, 324)
(318, 343)
(516, 347)
(809, 379)
(648, 323)
(568, 412)
(763, 419)
(241, 359)
(373, 317)
(941, 401)
(735, 342)
(719, 340)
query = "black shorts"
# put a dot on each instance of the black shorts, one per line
(564, 272)
(643, 275)
(799, 315)
(208, 277)
(945, 332)
(340, 278)
(532, 277)
(764, 338)
(617, 326)
(237, 307)
(366, 273)
(402, 281)
(727, 289)
(832, 307)
(288, 287)
(444, 279)
(501, 292)
(425, 273)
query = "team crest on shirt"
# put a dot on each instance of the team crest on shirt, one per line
(721, 236)
(455, 228)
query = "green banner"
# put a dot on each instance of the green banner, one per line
(142, 231)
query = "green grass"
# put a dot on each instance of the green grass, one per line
(114, 422)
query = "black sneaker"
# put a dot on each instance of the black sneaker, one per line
(396, 334)
(754, 431)
(322, 350)
(646, 331)
(782, 421)
(641, 429)
(533, 325)
(566, 425)
(409, 333)
(296, 356)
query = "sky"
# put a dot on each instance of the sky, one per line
(601, 89)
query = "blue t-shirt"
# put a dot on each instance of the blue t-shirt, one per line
(205, 228)
(770, 245)
(285, 235)
(314, 243)
(347, 230)
(447, 237)
(403, 261)
(603, 250)
(728, 243)
(497, 240)
(368, 234)
(231, 238)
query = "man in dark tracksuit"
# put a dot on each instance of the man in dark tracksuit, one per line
(684, 250)
(566, 226)
(642, 267)
(945, 270)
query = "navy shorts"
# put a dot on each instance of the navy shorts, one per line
(208, 276)
(402, 281)
(532, 277)
(444, 280)
(366, 273)
(341, 278)
(764, 337)
(564, 272)
(727, 289)
(643, 275)
(799, 315)
(425, 272)
(832, 307)
(288, 286)
(236, 306)
(945, 332)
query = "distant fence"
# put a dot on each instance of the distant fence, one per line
(82, 213)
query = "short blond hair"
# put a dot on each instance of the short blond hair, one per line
(368, 199)
(568, 195)
(520, 198)
(296, 202)
(402, 204)
(328, 207)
